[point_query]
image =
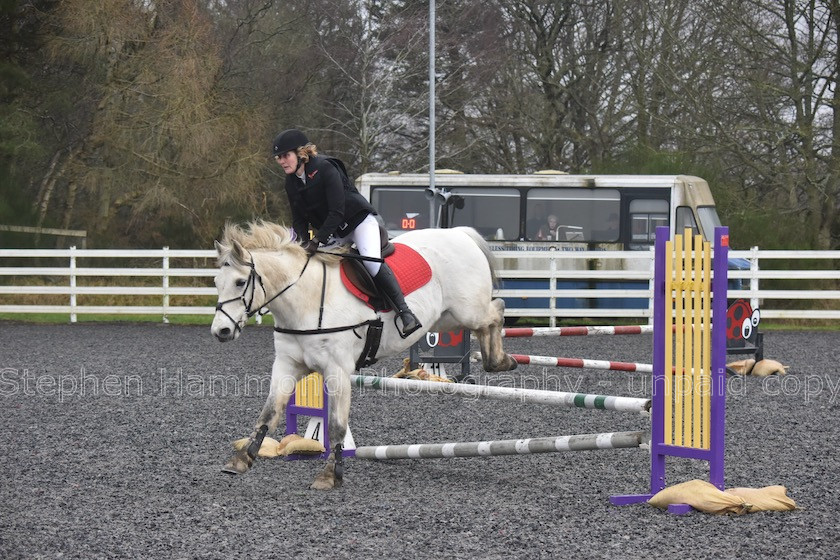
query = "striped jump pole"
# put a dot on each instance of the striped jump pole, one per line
(574, 363)
(585, 442)
(536, 396)
(575, 331)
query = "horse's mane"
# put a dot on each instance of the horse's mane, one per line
(257, 235)
(261, 235)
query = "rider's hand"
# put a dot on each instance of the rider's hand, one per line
(310, 246)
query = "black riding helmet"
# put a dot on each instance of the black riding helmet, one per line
(289, 140)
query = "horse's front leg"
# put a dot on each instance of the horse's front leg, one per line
(339, 390)
(283, 379)
(489, 336)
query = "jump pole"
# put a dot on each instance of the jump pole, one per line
(574, 363)
(536, 396)
(519, 332)
(585, 442)
(311, 399)
(688, 414)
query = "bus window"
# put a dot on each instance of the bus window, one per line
(709, 219)
(493, 212)
(401, 208)
(609, 232)
(645, 216)
(685, 219)
(580, 214)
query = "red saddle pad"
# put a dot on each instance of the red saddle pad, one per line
(411, 269)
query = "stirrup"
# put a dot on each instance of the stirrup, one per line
(403, 332)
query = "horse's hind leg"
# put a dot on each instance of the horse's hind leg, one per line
(338, 388)
(282, 387)
(493, 356)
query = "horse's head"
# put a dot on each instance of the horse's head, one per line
(240, 289)
(242, 293)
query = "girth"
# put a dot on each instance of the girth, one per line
(362, 279)
(372, 338)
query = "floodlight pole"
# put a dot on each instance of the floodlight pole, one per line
(433, 223)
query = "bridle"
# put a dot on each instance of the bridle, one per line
(254, 278)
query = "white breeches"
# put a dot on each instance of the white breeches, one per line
(366, 238)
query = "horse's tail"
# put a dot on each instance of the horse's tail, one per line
(485, 248)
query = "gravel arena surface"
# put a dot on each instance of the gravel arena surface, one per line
(113, 436)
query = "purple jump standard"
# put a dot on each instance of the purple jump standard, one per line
(668, 438)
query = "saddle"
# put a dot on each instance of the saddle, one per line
(411, 270)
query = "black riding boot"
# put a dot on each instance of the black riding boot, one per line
(387, 284)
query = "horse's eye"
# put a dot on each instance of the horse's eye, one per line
(240, 283)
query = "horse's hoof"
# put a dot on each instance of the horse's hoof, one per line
(238, 464)
(324, 483)
(329, 478)
(511, 362)
(507, 364)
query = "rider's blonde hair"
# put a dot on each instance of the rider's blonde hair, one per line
(306, 152)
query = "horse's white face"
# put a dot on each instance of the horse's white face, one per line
(236, 289)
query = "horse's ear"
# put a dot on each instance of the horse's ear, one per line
(219, 248)
(237, 253)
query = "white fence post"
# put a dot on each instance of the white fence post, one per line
(73, 284)
(651, 283)
(754, 277)
(165, 285)
(552, 286)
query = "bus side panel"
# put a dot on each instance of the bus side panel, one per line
(536, 302)
(642, 302)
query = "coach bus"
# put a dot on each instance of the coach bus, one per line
(550, 211)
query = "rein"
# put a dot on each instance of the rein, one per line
(320, 330)
(352, 256)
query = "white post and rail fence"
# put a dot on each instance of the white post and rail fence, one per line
(799, 285)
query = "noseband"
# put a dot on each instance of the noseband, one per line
(253, 279)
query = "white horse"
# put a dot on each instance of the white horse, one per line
(322, 327)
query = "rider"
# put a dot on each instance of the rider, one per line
(318, 196)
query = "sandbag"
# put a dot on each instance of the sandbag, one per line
(769, 498)
(270, 447)
(706, 497)
(701, 495)
(289, 438)
(402, 373)
(304, 446)
(419, 373)
(741, 367)
(769, 367)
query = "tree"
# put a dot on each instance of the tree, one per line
(781, 136)
(369, 48)
(21, 149)
(561, 89)
(149, 123)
